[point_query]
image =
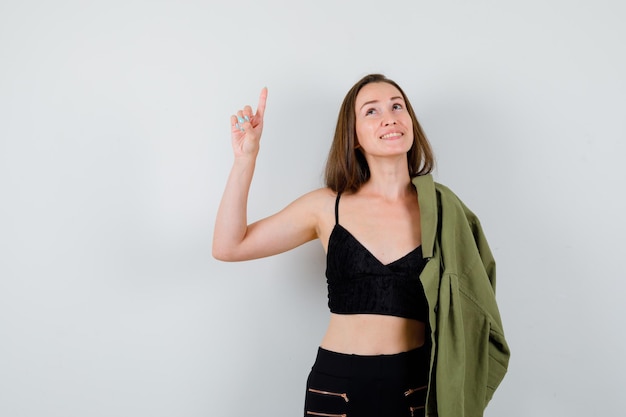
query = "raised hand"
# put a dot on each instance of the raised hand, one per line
(246, 128)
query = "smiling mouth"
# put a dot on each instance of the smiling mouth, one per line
(393, 135)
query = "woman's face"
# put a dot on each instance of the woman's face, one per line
(383, 124)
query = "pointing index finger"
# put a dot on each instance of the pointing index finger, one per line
(260, 111)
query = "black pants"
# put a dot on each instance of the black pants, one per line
(367, 386)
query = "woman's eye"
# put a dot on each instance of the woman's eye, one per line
(370, 111)
(397, 106)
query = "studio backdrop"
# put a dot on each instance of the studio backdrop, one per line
(115, 149)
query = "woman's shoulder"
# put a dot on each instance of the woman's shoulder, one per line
(319, 194)
(426, 185)
(316, 200)
(437, 193)
(445, 191)
(450, 201)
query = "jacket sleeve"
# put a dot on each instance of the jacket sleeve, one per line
(488, 261)
(481, 297)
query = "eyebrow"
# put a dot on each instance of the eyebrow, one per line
(376, 101)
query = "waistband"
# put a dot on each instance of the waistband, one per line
(350, 365)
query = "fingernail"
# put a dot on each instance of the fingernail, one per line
(238, 126)
(240, 119)
(247, 118)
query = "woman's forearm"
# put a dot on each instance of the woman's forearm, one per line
(232, 215)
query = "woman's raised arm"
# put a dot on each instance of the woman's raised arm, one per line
(233, 238)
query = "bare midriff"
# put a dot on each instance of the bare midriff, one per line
(372, 334)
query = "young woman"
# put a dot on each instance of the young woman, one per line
(414, 328)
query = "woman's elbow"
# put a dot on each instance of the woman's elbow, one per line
(228, 254)
(221, 254)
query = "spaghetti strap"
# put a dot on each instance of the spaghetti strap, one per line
(337, 208)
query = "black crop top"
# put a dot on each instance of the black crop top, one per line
(358, 283)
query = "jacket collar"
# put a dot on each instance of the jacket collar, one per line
(427, 198)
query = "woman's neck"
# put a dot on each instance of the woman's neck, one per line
(390, 181)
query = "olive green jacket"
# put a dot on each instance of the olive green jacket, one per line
(469, 355)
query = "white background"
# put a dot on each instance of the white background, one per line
(115, 147)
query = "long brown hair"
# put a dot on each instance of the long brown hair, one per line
(346, 167)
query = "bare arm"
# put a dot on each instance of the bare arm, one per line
(233, 238)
